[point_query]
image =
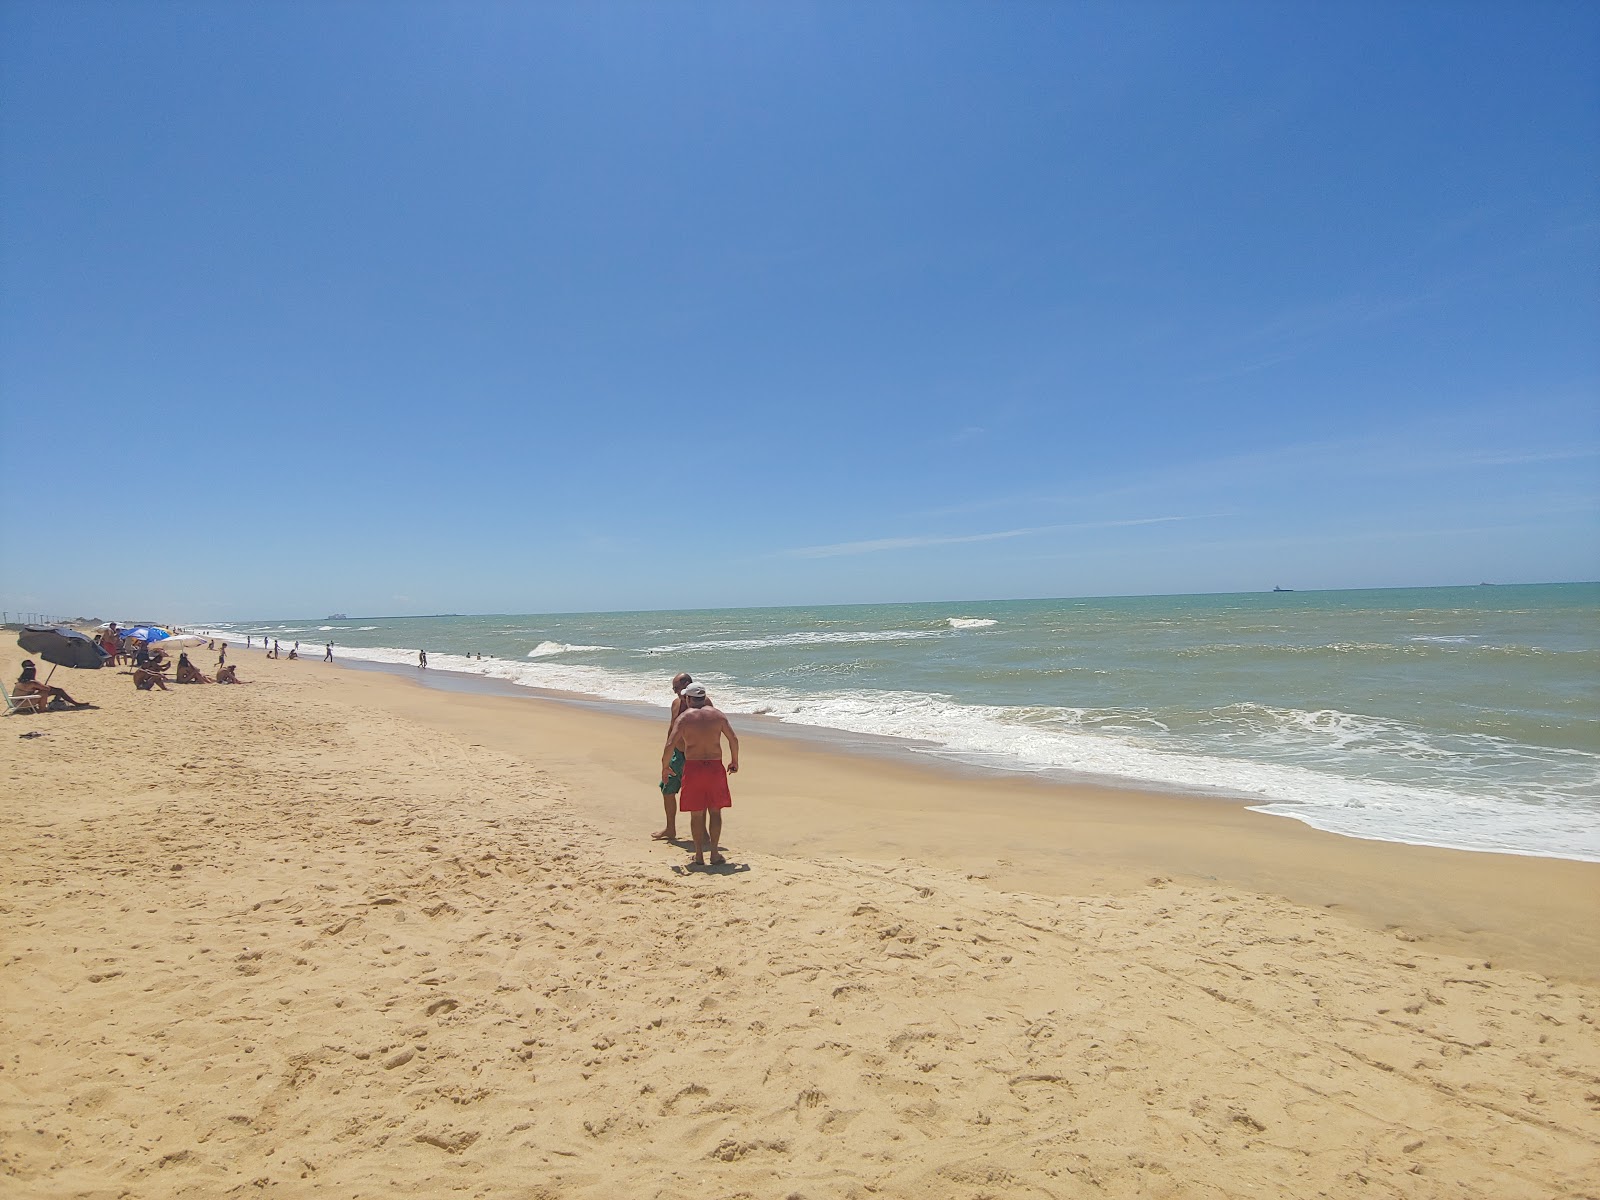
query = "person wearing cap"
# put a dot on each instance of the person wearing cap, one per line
(28, 685)
(698, 732)
(672, 773)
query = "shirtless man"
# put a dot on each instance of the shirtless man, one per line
(672, 773)
(698, 732)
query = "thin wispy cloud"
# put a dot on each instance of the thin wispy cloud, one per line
(1396, 453)
(1514, 458)
(878, 545)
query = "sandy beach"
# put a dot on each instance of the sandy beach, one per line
(339, 933)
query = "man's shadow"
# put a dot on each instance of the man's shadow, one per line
(727, 868)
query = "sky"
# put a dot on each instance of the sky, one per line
(394, 307)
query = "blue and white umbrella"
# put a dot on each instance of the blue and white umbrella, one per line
(147, 633)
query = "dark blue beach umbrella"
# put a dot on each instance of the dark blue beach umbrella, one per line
(63, 647)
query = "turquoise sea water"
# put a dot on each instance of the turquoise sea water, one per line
(1459, 717)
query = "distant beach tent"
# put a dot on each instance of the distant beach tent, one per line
(147, 633)
(63, 647)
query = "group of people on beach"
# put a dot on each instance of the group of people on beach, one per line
(693, 777)
(148, 662)
(151, 663)
(150, 668)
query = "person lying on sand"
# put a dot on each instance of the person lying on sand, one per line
(188, 672)
(228, 674)
(698, 732)
(28, 685)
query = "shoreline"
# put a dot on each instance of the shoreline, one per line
(1055, 839)
(331, 930)
(925, 755)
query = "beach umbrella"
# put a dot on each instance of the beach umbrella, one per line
(63, 647)
(180, 641)
(147, 633)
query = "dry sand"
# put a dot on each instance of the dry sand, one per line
(333, 933)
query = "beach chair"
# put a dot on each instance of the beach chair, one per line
(22, 704)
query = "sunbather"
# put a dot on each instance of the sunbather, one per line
(144, 679)
(228, 674)
(188, 672)
(28, 685)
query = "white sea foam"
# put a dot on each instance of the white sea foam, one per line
(1418, 774)
(1134, 747)
(365, 628)
(806, 638)
(547, 649)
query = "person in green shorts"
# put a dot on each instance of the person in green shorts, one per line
(672, 775)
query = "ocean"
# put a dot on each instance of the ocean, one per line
(1466, 718)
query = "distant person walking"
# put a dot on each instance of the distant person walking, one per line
(328, 657)
(274, 647)
(422, 660)
(698, 732)
(672, 774)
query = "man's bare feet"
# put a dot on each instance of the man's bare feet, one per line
(664, 835)
(697, 861)
(717, 860)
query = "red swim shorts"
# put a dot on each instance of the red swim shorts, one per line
(705, 785)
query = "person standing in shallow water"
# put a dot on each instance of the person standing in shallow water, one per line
(698, 732)
(672, 774)
(422, 660)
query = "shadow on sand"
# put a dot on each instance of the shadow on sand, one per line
(719, 869)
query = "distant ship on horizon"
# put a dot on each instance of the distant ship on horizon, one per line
(1279, 589)
(335, 617)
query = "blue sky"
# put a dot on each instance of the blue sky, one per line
(394, 307)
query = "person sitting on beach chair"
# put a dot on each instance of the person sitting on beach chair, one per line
(28, 685)
(229, 674)
(188, 672)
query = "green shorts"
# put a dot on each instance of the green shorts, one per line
(674, 779)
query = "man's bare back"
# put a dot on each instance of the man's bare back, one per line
(699, 733)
